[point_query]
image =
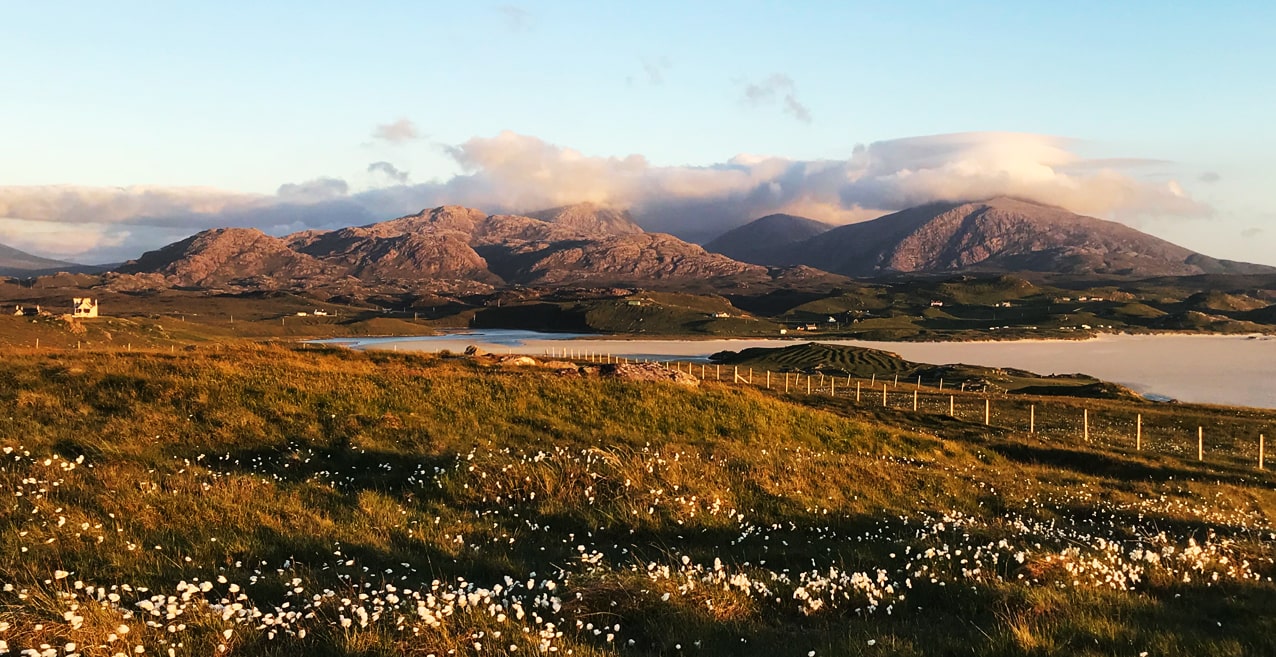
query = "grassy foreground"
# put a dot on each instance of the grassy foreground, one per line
(270, 501)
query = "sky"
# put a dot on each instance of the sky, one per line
(126, 126)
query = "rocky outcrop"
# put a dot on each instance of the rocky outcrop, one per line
(590, 219)
(222, 256)
(646, 372)
(645, 257)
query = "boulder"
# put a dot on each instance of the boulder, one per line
(646, 372)
(474, 351)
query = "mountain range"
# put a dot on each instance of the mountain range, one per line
(592, 245)
(996, 235)
(573, 245)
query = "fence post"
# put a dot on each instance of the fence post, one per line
(808, 384)
(1260, 451)
(1032, 418)
(952, 407)
(941, 384)
(919, 380)
(768, 379)
(1085, 424)
(832, 386)
(786, 383)
(883, 395)
(873, 383)
(750, 376)
(1200, 443)
(719, 374)
(1138, 433)
(857, 391)
(897, 379)
(987, 411)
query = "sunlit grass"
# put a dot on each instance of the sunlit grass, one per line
(284, 501)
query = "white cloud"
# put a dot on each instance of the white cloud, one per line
(398, 132)
(515, 173)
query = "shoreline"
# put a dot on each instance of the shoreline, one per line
(1227, 369)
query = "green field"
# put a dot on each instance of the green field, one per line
(267, 500)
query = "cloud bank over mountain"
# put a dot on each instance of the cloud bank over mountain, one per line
(511, 172)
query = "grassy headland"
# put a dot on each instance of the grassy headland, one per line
(263, 500)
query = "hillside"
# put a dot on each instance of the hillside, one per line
(764, 240)
(258, 500)
(1000, 234)
(225, 256)
(577, 244)
(17, 263)
(590, 219)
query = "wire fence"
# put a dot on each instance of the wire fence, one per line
(1234, 437)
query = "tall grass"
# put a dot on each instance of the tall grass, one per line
(401, 504)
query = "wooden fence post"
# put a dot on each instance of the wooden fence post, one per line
(897, 379)
(915, 400)
(883, 395)
(1200, 443)
(857, 391)
(1032, 418)
(1085, 424)
(786, 383)
(1260, 451)
(941, 384)
(873, 383)
(768, 379)
(919, 380)
(952, 406)
(808, 384)
(1138, 433)
(832, 386)
(987, 411)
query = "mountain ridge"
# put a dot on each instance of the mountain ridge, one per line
(1001, 234)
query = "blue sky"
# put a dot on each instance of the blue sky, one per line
(1120, 102)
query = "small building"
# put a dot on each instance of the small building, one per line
(721, 315)
(633, 302)
(83, 307)
(320, 313)
(812, 327)
(26, 311)
(302, 313)
(936, 303)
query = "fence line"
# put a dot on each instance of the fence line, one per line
(1113, 429)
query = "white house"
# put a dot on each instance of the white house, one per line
(83, 307)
